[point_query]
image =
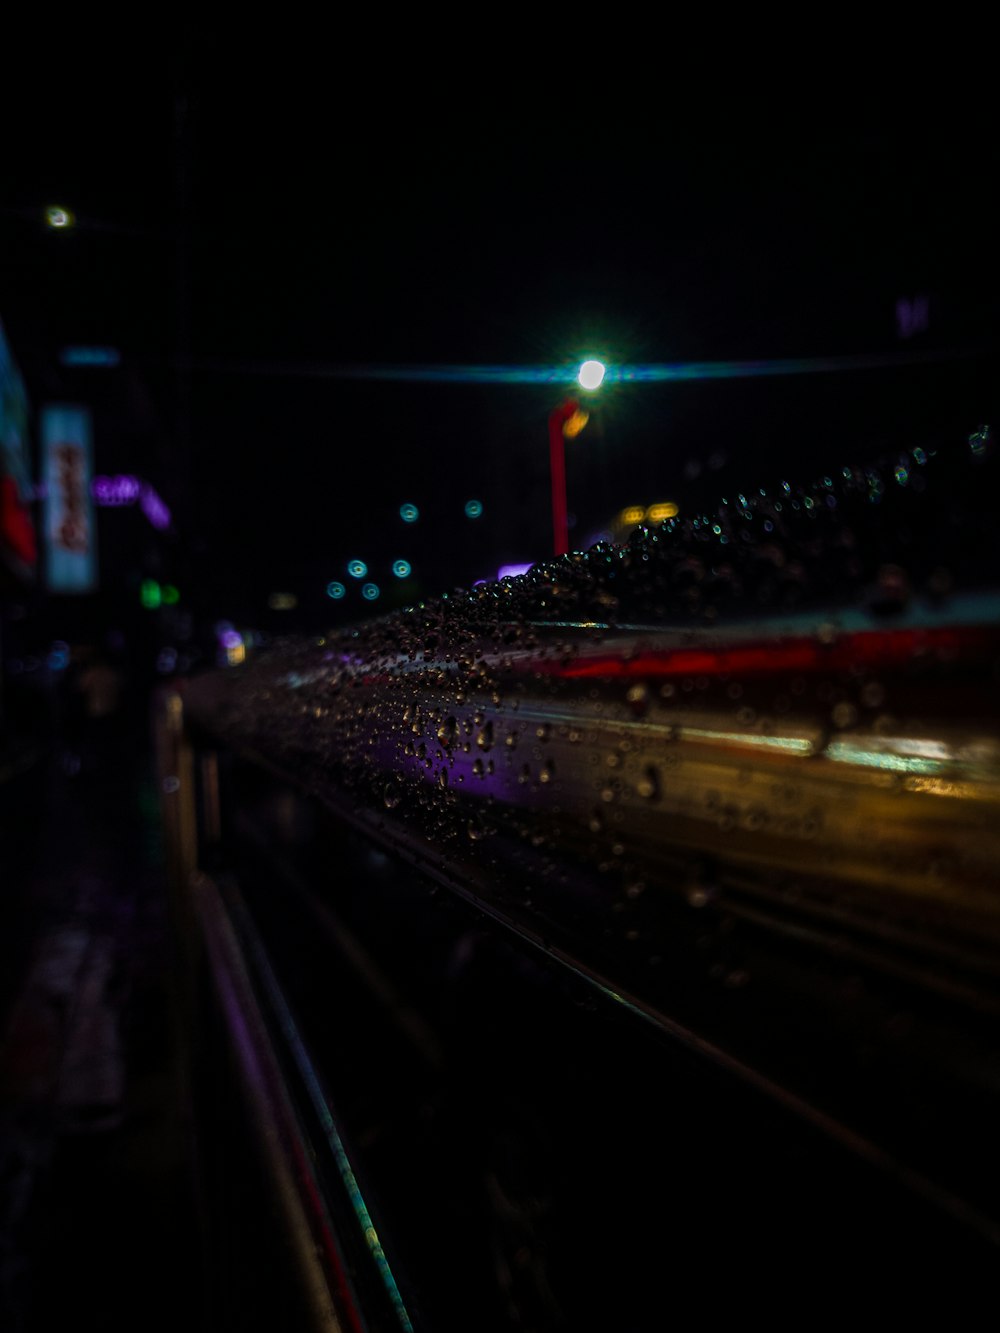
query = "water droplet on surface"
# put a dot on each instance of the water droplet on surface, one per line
(648, 785)
(844, 714)
(392, 796)
(548, 771)
(638, 698)
(485, 738)
(873, 695)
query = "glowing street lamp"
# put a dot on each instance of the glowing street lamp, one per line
(59, 219)
(566, 422)
(591, 375)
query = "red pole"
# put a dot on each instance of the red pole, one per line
(557, 465)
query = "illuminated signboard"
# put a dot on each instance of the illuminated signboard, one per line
(70, 531)
(18, 548)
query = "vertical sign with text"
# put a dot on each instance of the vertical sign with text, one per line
(70, 532)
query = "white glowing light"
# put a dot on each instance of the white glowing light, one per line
(591, 375)
(59, 217)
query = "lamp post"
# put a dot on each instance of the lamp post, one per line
(567, 420)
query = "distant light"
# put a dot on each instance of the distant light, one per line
(473, 508)
(370, 592)
(357, 569)
(282, 601)
(591, 375)
(231, 638)
(236, 653)
(409, 513)
(659, 512)
(401, 568)
(167, 661)
(171, 596)
(59, 218)
(59, 655)
(150, 594)
(634, 514)
(335, 590)
(512, 571)
(980, 440)
(90, 356)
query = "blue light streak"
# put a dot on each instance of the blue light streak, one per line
(567, 373)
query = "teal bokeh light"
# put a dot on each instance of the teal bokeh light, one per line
(371, 592)
(401, 568)
(357, 569)
(473, 508)
(335, 590)
(409, 513)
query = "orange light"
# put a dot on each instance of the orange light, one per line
(634, 514)
(662, 511)
(575, 424)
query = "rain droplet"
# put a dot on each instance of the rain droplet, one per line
(648, 785)
(391, 796)
(485, 738)
(548, 771)
(873, 695)
(844, 714)
(638, 698)
(479, 768)
(447, 732)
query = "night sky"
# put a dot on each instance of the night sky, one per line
(428, 216)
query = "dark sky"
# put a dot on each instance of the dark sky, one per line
(419, 215)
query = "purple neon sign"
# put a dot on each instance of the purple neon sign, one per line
(153, 507)
(124, 489)
(115, 491)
